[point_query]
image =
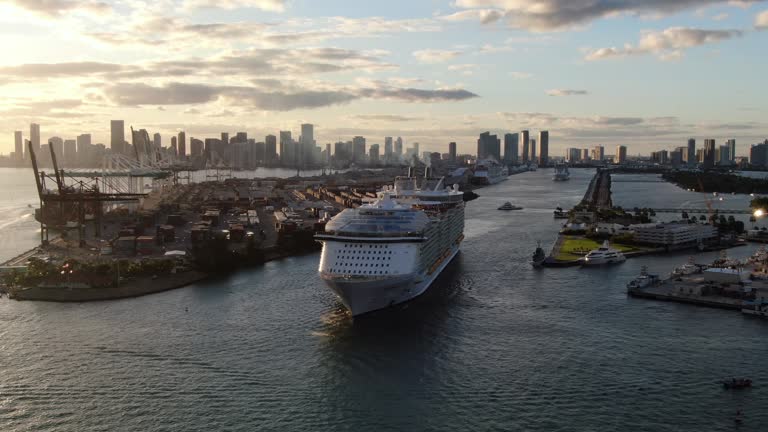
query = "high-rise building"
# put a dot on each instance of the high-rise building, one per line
(195, 147)
(585, 155)
(175, 145)
(34, 137)
(452, 151)
(18, 140)
(621, 154)
(532, 144)
(731, 143)
(388, 150)
(676, 156)
(525, 142)
(510, 147)
(270, 142)
(182, 142)
(691, 151)
(307, 144)
(573, 155)
(758, 155)
(157, 141)
(85, 151)
(399, 147)
(598, 153)
(70, 151)
(358, 149)
(373, 153)
(709, 153)
(240, 137)
(488, 147)
(225, 137)
(57, 144)
(286, 149)
(543, 148)
(117, 136)
(723, 157)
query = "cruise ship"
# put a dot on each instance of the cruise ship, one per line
(389, 251)
(488, 172)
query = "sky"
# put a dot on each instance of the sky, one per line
(647, 74)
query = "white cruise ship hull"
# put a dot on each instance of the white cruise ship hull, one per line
(361, 295)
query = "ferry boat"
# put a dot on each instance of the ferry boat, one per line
(604, 255)
(644, 280)
(508, 206)
(488, 172)
(561, 172)
(390, 250)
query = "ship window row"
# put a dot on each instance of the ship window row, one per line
(367, 252)
(357, 245)
(365, 258)
(368, 272)
(360, 265)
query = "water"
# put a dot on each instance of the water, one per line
(18, 229)
(495, 345)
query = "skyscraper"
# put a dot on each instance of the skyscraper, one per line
(175, 145)
(18, 145)
(307, 144)
(399, 147)
(34, 137)
(731, 143)
(84, 150)
(374, 154)
(358, 149)
(525, 141)
(532, 145)
(543, 148)
(70, 151)
(692, 151)
(225, 137)
(157, 141)
(388, 149)
(182, 142)
(510, 147)
(271, 149)
(286, 148)
(621, 154)
(709, 153)
(598, 153)
(117, 136)
(452, 151)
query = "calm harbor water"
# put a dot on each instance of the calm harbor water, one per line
(494, 345)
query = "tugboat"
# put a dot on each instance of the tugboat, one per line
(643, 281)
(538, 257)
(560, 213)
(508, 206)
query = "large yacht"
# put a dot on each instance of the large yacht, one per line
(561, 172)
(604, 255)
(390, 250)
(488, 172)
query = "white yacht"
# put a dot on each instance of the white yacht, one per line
(604, 255)
(390, 250)
(561, 172)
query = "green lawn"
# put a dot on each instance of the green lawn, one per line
(576, 247)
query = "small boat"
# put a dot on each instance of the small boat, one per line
(644, 280)
(737, 384)
(603, 255)
(539, 256)
(561, 172)
(560, 213)
(508, 206)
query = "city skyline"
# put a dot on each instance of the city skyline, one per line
(637, 74)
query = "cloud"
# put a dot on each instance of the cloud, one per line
(549, 15)
(285, 98)
(435, 56)
(464, 69)
(666, 44)
(761, 20)
(720, 17)
(267, 5)
(485, 16)
(56, 8)
(566, 92)
(53, 70)
(386, 118)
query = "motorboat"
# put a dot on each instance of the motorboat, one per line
(603, 255)
(560, 213)
(539, 256)
(644, 280)
(508, 206)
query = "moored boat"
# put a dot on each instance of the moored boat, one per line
(603, 255)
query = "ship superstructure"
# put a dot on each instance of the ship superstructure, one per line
(390, 250)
